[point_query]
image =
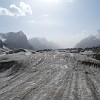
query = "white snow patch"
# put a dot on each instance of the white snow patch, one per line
(21, 53)
(54, 56)
(66, 66)
(97, 36)
(87, 52)
(2, 39)
(4, 47)
(28, 53)
(71, 54)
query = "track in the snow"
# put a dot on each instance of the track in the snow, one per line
(49, 76)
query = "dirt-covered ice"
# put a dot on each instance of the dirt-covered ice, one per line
(49, 76)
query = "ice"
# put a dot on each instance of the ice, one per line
(49, 76)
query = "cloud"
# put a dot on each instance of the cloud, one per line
(22, 10)
(16, 11)
(25, 7)
(4, 11)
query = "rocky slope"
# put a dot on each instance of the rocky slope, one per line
(19, 40)
(49, 76)
(90, 41)
(1, 44)
(15, 40)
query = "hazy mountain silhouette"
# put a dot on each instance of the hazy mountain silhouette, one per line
(90, 41)
(42, 43)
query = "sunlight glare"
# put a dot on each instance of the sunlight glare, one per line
(50, 1)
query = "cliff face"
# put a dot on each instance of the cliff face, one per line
(16, 40)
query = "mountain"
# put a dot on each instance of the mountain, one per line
(19, 40)
(42, 43)
(1, 44)
(91, 41)
(15, 40)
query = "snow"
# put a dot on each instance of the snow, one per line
(97, 36)
(87, 52)
(2, 39)
(66, 66)
(50, 76)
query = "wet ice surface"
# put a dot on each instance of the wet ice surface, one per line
(49, 76)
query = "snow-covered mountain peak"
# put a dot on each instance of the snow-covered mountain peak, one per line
(91, 41)
(97, 36)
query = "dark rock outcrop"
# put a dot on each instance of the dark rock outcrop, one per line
(1, 44)
(16, 40)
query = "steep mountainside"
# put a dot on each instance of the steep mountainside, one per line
(15, 40)
(90, 41)
(1, 44)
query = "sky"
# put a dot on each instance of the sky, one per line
(64, 22)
